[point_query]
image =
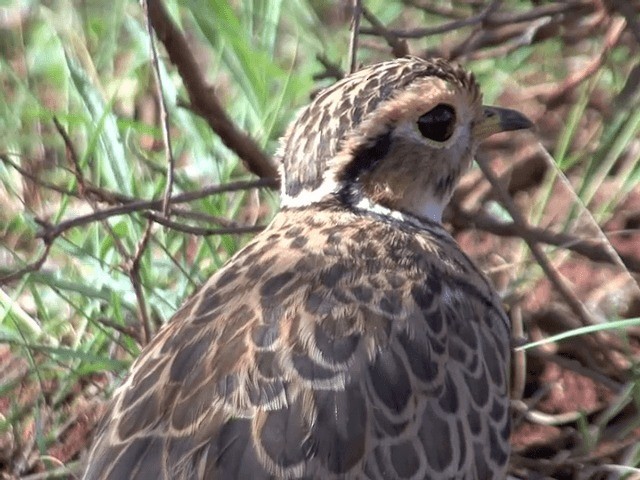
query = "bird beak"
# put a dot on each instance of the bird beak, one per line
(496, 119)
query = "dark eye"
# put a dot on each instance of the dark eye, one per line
(438, 124)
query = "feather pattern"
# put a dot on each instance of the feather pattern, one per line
(350, 339)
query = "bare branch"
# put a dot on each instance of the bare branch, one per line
(125, 330)
(399, 47)
(611, 39)
(554, 277)
(133, 270)
(71, 152)
(203, 100)
(355, 31)
(35, 179)
(331, 69)
(77, 170)
(488, 16)
(379, 29)
(462, 219)
(442, 11)
(31, 267)
(232, 230)
(164, 115)
(50, 232)
(626, 9)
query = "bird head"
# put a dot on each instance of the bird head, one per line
(397, 136)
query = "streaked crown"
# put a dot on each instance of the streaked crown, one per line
(397, 134)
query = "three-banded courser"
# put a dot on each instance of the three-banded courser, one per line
(352, 338)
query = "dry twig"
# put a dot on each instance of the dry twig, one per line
(355, 31)
(164, 115)
(397, 35)
(203, 100)
(554, 277)
(133, 270)
(50, 232)
(233, 230)
(399, 47)
(593, 250)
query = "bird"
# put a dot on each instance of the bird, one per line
(352, 338)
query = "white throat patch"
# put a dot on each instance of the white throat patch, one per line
(432, 212)
(426, 206)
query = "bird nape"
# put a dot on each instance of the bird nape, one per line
(352, 338)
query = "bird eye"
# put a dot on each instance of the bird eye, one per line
(438, 124)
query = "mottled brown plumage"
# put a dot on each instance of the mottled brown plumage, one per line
(352, 338)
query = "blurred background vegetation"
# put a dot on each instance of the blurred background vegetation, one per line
(107, 223)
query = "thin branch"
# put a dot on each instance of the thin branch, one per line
(331, 69)
(442, 11)
(100, 194)
(399, 47)
(203, 217)
(73, 156)
(593, 250)
(425, 32)
(571, 83)
(525, 37)
(626, 8)
(35, 179)
(518, 357)
(554, 277)
(629, 95)
(77, 171)
(125, 330)
(50, 232)
(203, 99)
(133, 269)
(107, 196)
(31, 267)
(355, 31)
(164, 115)
(235, 230)
(489, 16)
(544, 10)
(133, 263)
(574, 365)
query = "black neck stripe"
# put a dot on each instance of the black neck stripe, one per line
(365, 158)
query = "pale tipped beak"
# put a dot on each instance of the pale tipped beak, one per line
(496, 120)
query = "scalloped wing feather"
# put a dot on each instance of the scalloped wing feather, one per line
(365, 350)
